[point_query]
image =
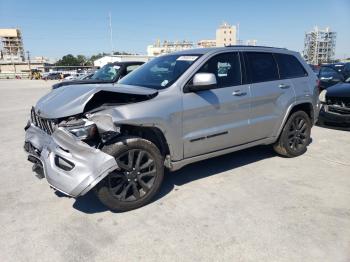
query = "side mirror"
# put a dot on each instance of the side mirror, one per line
(201, 81)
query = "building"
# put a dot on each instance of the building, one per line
(251, 42)
(11, 45)
(120, 58)
(226, 35)
(319, 46)
(167, 47)
(206, 43)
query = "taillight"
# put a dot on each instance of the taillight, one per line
(318, 85)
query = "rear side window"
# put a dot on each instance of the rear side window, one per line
(289, 66)
(262, 67)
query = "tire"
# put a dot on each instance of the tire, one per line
(295, 135)
(131, 185)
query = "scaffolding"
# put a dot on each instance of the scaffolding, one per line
(319, 46)
(11, 45)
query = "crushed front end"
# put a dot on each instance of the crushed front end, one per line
(336, 111)
(66, 153)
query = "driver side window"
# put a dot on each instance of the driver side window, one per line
(226, 68)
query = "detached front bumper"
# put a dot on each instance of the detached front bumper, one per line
(334, 115)
(70, 165)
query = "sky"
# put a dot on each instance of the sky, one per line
(56, 28)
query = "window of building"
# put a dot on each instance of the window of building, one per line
(289, 66)
(224, 32)
(262, 67)
(225, 39)
(226, 67)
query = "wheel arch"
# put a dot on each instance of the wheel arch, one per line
(307, 107)
(151, 133)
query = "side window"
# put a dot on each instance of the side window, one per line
(226, 67)
(289, 66)
(262, 67)
(131, 68)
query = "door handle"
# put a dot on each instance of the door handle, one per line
(283, 86)
(239, 93)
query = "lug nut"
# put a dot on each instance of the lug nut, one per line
(135, 180)
(129, 179)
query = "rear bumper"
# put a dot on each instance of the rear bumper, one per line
(70, 165)
(327, 116)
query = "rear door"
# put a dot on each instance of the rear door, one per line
(218, 118)
(270, 95)
(290, 68)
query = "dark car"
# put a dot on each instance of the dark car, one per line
(332, 74)
(336, 104)
(109, 73)
(52, 76)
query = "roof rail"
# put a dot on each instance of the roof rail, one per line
(252, 46)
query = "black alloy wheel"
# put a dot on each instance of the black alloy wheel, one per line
(138, 177)
(135, 176)
(298, 133)
(295, 135)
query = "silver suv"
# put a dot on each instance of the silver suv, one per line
(172, 111)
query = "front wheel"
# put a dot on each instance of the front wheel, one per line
(295, 135)
(138, 177)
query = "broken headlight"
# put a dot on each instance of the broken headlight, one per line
(322, 96)
(82, 128)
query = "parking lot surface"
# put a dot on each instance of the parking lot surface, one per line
(250, 205)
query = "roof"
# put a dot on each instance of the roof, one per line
(127, 63)
(202, 51)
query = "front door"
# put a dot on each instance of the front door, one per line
(218, 118)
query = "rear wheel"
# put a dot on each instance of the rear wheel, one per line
(295, 136)
(138, 177)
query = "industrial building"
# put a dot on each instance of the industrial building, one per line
(206, 43)
(12, 57)
(167, 47)
(11, 45)
(319, 46)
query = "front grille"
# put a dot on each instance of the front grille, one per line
(47, 125)
(339, 110)
(340, 105)
(339, 101)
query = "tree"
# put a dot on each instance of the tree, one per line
(67, 60)
(81, 60)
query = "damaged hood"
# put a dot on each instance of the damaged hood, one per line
(76, 99)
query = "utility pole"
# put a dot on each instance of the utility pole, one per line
(238, 40)
(28, 59)
(111, 32)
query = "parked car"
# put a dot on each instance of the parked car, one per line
(52, 76)
(332, 74)
(110, 73)
(55, 76)
(74, 77)
(174, 110)
(336, 105)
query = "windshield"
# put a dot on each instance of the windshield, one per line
(160, 72)
(107, 72)
(330, 73)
